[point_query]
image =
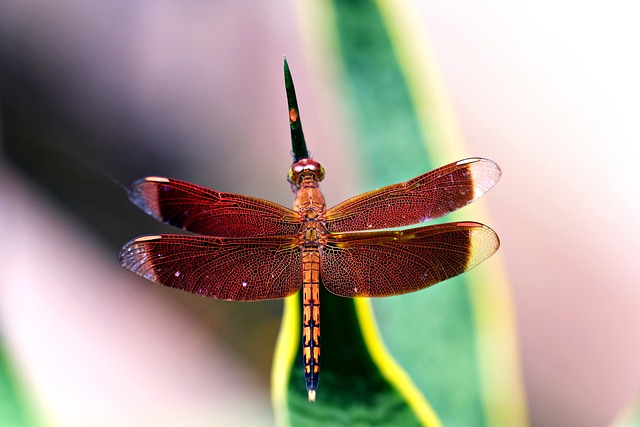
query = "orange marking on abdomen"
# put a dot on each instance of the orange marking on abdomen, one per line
(311, 316)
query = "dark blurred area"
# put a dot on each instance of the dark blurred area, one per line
(75, 126)
(79, 164)
(96, 95)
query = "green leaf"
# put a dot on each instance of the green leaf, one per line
(359, 384)
(629, 417)
(455, 342)
(13, 408)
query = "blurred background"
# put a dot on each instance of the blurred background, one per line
(96, 94)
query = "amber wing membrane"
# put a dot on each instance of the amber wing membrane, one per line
(235, 269)
(420, 199)
(385, 263)
(212, 213)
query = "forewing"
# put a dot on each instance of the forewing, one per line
(421, 199)
(385, 263)
(236, 269)
(212, 213)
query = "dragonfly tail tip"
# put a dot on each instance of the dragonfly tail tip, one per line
(312, 395)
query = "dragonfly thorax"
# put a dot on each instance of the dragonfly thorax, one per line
(309, 202)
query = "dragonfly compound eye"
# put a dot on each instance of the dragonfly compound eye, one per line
(305, 167)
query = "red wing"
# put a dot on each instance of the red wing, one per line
(204, 211)
(235, 269)
(385, 263)
(421, 199)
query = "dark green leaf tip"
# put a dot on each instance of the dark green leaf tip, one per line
(298, 144)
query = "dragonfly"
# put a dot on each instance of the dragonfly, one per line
(248, 249)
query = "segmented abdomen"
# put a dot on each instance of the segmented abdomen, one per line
(311, 318)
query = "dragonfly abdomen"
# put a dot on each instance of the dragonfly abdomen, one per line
(311, 318)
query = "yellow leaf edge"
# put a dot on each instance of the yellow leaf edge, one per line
(284, 358)
(286, 351)
(389, 368)
(499, 360)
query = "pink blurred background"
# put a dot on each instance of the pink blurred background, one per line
(549, 90)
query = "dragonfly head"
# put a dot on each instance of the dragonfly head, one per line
(305, 170)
